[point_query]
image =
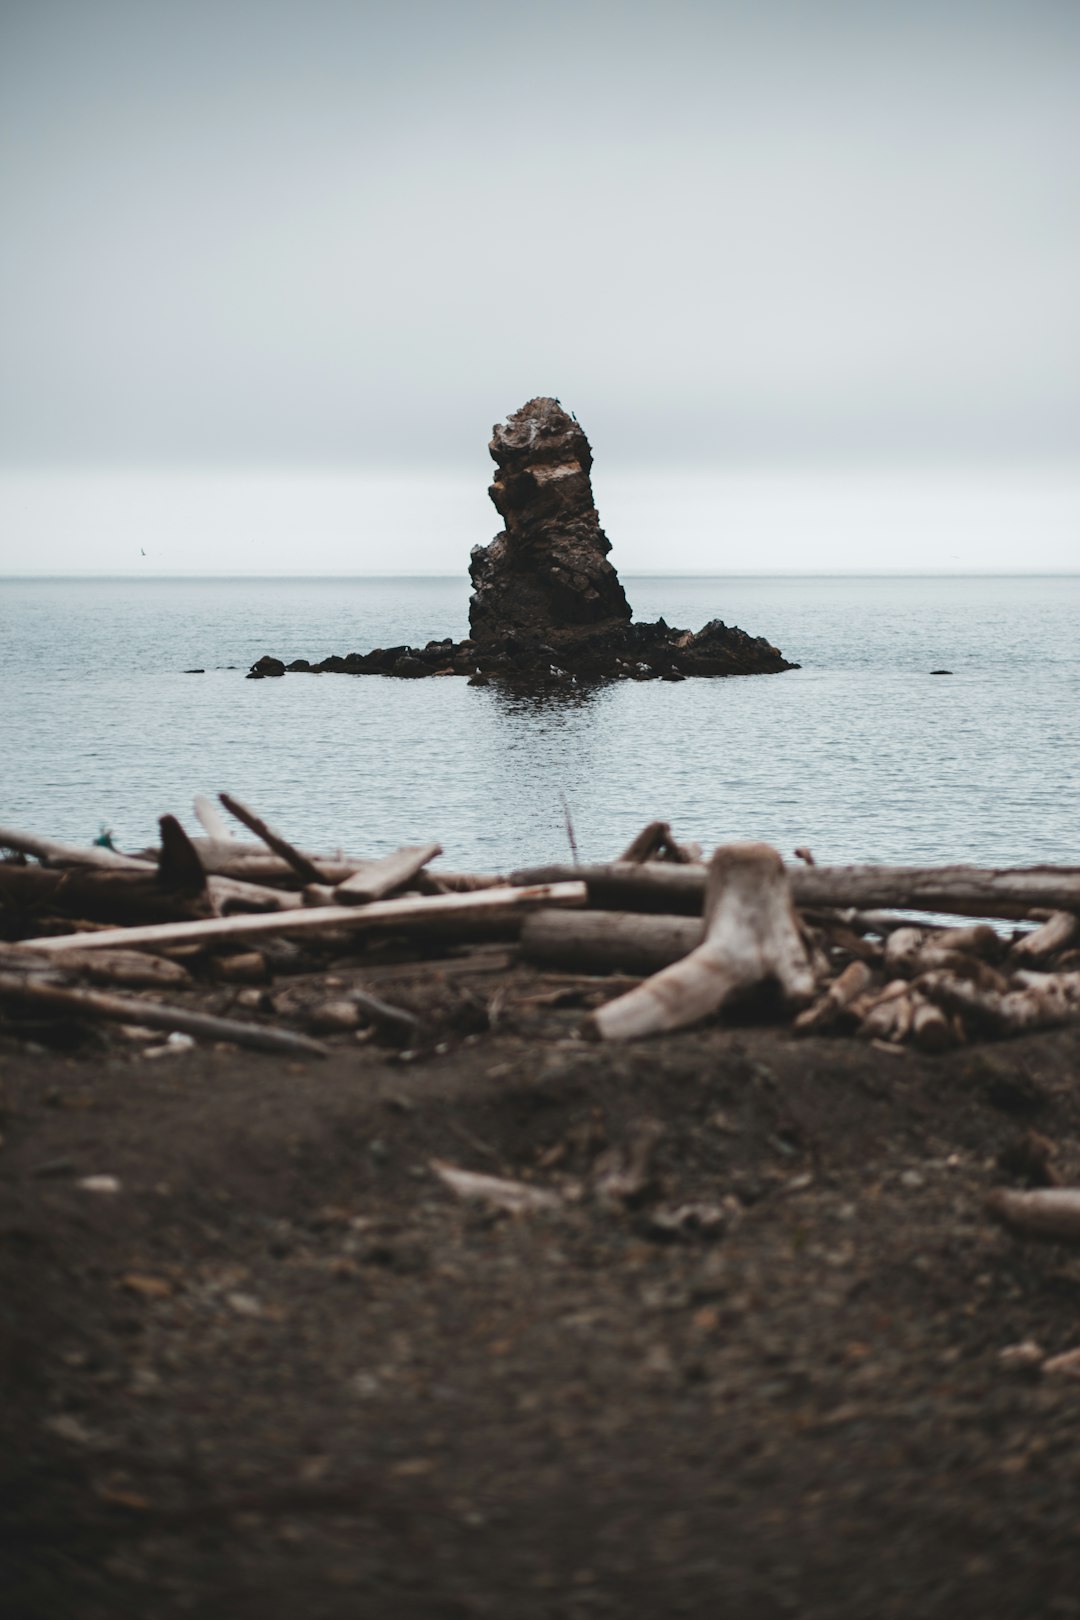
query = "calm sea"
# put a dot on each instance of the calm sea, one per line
(860, 754)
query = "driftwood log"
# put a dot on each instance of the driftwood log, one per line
(965, 890)
(304, 867)
(751, 937)
(384, 876)
(608, 941)
(53, 998)
(399, 916)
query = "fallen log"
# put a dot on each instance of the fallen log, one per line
(301, 865)
(1039, 1001)
(132, 970)
(61, 854)
(422, 914)
(152, 1015)
(751, 936)
(965, 890)
(607, 941)
(1056, 934)
(384, 876)
(1049, 1213)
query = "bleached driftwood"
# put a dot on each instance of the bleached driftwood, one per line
(751, 936)
(931, 1030)
(1036, 1001)
(1056, 934)
(828, 1009)
(61, 854)
(211, 820)
(516, 1196)
(438, 912)
(889, 1018)
(608, 941)
(300, 863)
(1050, 1213)
(965, 890)
(384, 876)
(53, 998)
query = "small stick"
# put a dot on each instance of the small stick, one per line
(152, 1015)
(516, 1196)
(300, 863)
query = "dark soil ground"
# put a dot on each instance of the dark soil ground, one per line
(283, 1371)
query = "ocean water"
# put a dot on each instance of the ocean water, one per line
(861, 754)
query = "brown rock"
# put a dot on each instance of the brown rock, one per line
(548, 569)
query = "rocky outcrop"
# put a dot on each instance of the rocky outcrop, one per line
(548, 570)
(547, 605)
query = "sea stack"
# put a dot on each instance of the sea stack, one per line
(547, 606)
(548, 570)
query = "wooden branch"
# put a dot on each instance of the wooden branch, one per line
(967, 890)
(931, 1031)
(152, 1015)
(51, 849)
(608, 941)
(751, 936)
(299, 862)
(656, 843)
(383, 877)
(1039, 1001)
(851, 984)
(1049, 1213)
(1057, 934)
(211, 820)
(423, 914)
(516, 1196)
(133, 970)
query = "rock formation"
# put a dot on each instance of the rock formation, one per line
(547, 605)
(548, 570)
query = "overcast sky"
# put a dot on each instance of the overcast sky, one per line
(322, 237)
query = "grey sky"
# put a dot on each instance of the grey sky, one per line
(309, 232)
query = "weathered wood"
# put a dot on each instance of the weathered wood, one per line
(422, 914)
(608, 941)
(1056, 934)
(1049, 1213)
(931, 1031)
(301, 865)
(656, 843)
(210, 819)
(152, 1015)
(113, 896)
(964, 890)
(384, 876)
(751, 936)
(1037, 1001)
(54, 850)
(518, 1197)
(854, 982)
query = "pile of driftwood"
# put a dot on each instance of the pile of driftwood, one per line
(835, 948)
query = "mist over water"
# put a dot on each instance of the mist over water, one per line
(860, 754)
